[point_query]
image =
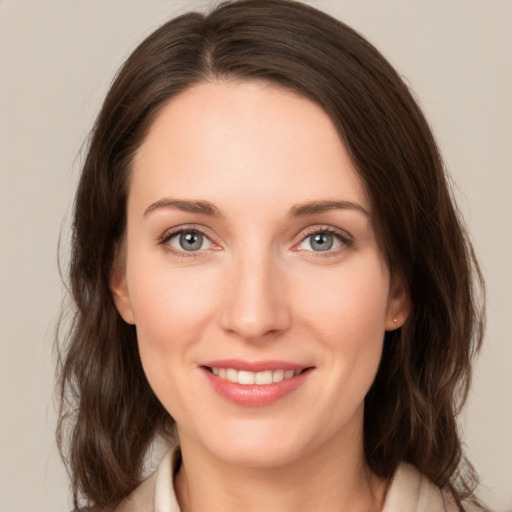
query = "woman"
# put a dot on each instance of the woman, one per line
(268, 268)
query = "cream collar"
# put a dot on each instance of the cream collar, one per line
(410, 491)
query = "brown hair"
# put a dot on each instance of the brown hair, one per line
(109, 414)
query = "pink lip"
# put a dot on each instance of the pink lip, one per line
(254, 366)
(254, 395)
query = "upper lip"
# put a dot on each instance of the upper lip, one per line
(255, 366)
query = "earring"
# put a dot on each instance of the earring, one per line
(394, 320)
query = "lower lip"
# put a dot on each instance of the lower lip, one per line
(255, 395)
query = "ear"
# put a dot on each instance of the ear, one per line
(399, 304)
(119, 287)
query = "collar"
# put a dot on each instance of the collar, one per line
(410, 491)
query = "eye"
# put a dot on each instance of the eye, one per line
(189, 240)
(322, 241)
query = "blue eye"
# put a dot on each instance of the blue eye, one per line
(189, 241)
(321, 241)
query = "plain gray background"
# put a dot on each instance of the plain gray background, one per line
(56, 61)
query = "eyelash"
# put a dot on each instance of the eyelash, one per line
(344, 238)
(168, 235)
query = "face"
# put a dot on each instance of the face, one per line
(253, 274)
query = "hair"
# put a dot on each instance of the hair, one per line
(108, 413)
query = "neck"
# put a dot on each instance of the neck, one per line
(330, 478)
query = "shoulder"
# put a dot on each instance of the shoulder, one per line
(157, 491)
(411, 491)
(142, 499)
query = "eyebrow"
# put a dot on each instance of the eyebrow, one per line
(299, 210)
(315, 207)
(202, 207)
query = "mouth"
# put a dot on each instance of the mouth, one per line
(248, 378)
(255, 384)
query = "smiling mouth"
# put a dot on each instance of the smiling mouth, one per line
(248, 378)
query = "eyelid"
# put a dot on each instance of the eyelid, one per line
(186, 228)
(345, 238)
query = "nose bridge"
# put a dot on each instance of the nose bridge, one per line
(255, 304)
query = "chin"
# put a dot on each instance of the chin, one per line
(263, 447)
(259, 456)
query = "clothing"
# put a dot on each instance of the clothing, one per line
(410, 491)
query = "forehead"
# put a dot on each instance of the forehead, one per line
(224, 140)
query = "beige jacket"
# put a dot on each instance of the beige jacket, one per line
(410, 491)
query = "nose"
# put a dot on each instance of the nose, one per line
(255, 306)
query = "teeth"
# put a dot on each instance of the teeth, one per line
(277, 375)
(243, 377)
(263, 377)
(288, 374)
(248, 378)
(231, 374)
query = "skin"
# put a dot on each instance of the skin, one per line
(257, 290)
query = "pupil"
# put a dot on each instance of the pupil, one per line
(191, 241)
(322, 242)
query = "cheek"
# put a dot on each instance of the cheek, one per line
(171, 308)
(347, 313)
(351, 302)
